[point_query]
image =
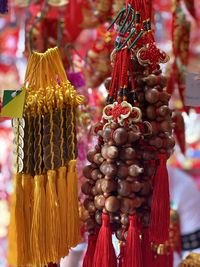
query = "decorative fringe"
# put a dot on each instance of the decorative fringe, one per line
(73, 222)
(53, 224)
(3, 6)
(121, 255)
(147, 253)
(89, 255)
(16, 236)
(62, 197)
(37, 241)
(160, 260)
(160, 209)
(133, 250)
(27, 182)
(104, 252)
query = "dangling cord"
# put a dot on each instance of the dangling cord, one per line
(113, 83)
(124, 74)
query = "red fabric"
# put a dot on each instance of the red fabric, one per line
(179, 131)
(160, 209)
(89, 255)
(163, 261)
(104, 253)
(133, 249)
(147, 253)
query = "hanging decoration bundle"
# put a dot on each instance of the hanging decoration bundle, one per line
(44, 210)
(3, 6)
(127, 181)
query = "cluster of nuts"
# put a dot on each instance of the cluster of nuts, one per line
(114, 184)
(122, 165)
(153, 100)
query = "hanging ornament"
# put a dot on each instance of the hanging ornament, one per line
(126, 187)
(181, 40)
(3, 6)
(44, 212)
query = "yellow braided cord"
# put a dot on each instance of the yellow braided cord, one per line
(51, 140)
(17, 144)
(29, 144)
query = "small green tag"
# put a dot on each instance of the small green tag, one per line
(13, 103)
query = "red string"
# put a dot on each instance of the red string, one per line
(114, 75)
(124, 68)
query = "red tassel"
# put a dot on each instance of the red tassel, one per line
(121, 255)
(147, 253)
(104, 253)
(179, 130)
(171, 84)
(160, 208)
(133, 249)
(89, 255)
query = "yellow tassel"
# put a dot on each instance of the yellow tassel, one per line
(62, 197)
(37, 240)
(27, 182)
(17, 244)
(73, 222)
(53, 225)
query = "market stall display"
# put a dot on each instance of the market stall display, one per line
(124, 197)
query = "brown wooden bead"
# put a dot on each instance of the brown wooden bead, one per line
(91, 207)
(94, 191)
(90, 155)
(98, 159)
(120, 136)
(133, 136)
(98, 217)
(107, 134)
(96, 174)
(99, 202)
(98, 186)
(109, 169)
(124, 188)
(86, 188)
(87, 170)
(108, 186)
(124, 219)
(122, 171)
(152, 96)
(136, 186)
(134, 170)
(127, 154)
(112, 152)
(112, 204)
(151, 112)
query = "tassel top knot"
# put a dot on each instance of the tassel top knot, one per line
(133, 221)
(39, 179)
(62, 172)
(72, 166)
(51, 175)
(162, 157)
(105, 219)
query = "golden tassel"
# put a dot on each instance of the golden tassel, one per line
(73, 222)
(52, 218)
(37, 240)
(12, 234)
(27, 181)
(62, 196)
(17, 242)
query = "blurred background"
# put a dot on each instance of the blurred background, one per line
(78, 28)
